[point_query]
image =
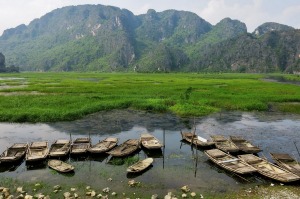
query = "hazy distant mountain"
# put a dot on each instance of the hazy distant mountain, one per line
(106, 38)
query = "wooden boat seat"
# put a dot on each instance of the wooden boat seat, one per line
(216, 153)
(284, 157)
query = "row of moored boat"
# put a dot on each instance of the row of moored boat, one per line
(39, 151)
(286, 170)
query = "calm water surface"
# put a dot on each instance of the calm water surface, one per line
(174, 167)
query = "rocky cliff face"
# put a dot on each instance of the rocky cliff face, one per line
(2, 62)
(106, 38)
(269, 27)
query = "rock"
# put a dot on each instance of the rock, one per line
(272, 185)
(67, 194)
(93, 193)
(106, 190)
(47, 197)
(201, 196)
(21, 196)
(184, 195)
(193, 194)
(57, 187)
(89, 193)
(281, 184)
(104, 197)
(37, 185)
(76, 195)
(28, 197)
(88, 187)
(99, 195)
(55, 191)
(20, 190)
(155, 196)
(113, 193)
(1, 189)
(185, 189)
(41, 196)
(132, 183)
(109, 179)
(168, 196)
(73, 189)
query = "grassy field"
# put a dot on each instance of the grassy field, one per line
(46, 97)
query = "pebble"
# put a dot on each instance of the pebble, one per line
(1, 189)
(193, 194)
(88, 187)
(93, 193)
(55, 191)
(113, 193)
(57, 187)
(99, 195)
(271, 184)
(106, 190)
(185, 189)
(155, 196)
(21, 196)
(201, 196)
(168, 196)
(184, 195)
(76, 195)
(67, 194)
(109, 179)
(20, 190)
(37, 185)
(73, 189)
(28, 197)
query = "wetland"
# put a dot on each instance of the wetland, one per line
(177, 165)
(50, 106)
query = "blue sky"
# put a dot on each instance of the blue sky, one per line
(251, 12)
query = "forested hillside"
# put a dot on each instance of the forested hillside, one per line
(106, 38)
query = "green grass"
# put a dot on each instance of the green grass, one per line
(47, 97)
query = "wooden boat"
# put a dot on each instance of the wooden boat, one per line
(104, 145)
(80, 146)
(224, 144)
(287, 162)
(268, 169)
(37, 151)
(126, 148)
(229, 162)
(197, 140)
(150, 142)
(14, 153)
(60, 166)
(60, 148)
(140, 165)
(244, 145)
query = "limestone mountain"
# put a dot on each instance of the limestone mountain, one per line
(107, 38)
(269, 27)
(2, 62)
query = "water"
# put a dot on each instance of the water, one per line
(174, 167)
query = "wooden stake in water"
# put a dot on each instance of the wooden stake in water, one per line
(297, 148)
(164, 138)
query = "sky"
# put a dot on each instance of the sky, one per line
(252, 12)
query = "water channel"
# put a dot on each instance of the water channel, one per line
(174, 167)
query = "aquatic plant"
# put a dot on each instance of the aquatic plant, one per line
(48, 97)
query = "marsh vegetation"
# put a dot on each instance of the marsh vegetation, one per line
(46, 97)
